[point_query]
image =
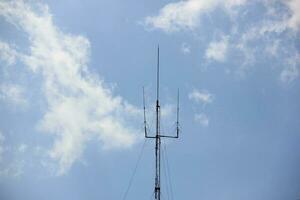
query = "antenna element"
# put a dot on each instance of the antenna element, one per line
(158, 136)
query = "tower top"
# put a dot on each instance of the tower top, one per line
(158, 135)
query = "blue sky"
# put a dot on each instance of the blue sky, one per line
(72, 73)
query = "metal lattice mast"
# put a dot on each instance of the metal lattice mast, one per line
(158, 136)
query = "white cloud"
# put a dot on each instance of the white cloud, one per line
(291, 70)
(217, 50)
(186, 14)
(273, 48)
(13, 94)
(185, 48)
(277, 39)
(289, 74)
(203, 96)
(279, 21)
(2, 138)
(9, 167)
(167, 110)
(294, 21)
(12, 169)
(22, 148)
(202, 119)
(7, 53)
(181, 15)
(80, 106)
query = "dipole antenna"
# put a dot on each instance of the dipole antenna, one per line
(158, 135)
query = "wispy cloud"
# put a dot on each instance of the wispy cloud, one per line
(9, 166)
(203, 96)
(185, 15)
(181, 15)
(291, 71)
(13, 94)
(22, 148)
(247, 40)
(8, 54)
(80, 106)
(294, 20)
(2, 138)
(217, 50)
(13, 169)
(185, 48)
(202, 119)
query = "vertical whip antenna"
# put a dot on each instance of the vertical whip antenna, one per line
(144, 105)
(177, 121)
(157, 76)
(158, 135)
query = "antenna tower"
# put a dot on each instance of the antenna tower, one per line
(158, 136)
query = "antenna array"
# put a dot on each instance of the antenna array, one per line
(158, 136)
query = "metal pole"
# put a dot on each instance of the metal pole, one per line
(157, 139)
